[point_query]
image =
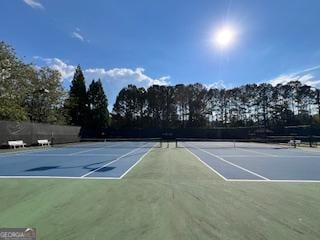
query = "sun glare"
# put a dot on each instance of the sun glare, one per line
(224, 37)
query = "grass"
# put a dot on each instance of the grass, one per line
(168, 195)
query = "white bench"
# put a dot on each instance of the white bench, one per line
(294, 142)
(18, 143)
(43, 142)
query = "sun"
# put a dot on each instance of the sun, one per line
(224, 37)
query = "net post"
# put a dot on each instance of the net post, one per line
(310, 141)
(51, 139)
(294, 142)
(176, 140)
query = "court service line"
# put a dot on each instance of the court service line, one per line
(9, 154)
(233, 164)
(58, 177)
(126, 172)
(273, 181)
(278, 156)
(316, 152)
(118, 178)
(204, 163)
(84, 151)
(261, 153)
(117, 159)
(68, 155)
(90, 150)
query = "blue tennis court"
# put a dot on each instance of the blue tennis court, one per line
(111, 160)
(258, 162)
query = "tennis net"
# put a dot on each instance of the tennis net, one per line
(114, 143)
(279, 142)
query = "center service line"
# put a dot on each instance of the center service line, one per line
(235, 165)
(117, 159)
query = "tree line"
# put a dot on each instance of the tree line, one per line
(195, 106)
(29, 93)
(87, 107)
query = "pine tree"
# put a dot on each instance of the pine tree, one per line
(98, 104)
(77, 103)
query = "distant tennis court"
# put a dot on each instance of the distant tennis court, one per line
(96, 159)
(256, 161)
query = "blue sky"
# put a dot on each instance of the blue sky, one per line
(167, 42)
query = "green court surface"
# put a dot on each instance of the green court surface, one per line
(168, 195)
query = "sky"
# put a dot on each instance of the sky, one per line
(167, 42)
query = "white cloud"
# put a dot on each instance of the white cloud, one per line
(34, 4)
(117, 78)
(78, 36)
(218, 84)
(113, 79)
(306, 76)
(65, 69)
(126, 76)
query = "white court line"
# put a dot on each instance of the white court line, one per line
(261, 153)
(232, 164)
(57, 177)
(278, 156)
(118, 178)
(245, 150)
(309, 151)
(252, 151)
(274, 181)
(90, 150)
(250, 180)
(17, 153)
(117, 159)
(123, 175)
(68, 155)
(84, 151)
(212, 169)
(10, 154)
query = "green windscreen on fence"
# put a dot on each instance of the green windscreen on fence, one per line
(31, 132)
